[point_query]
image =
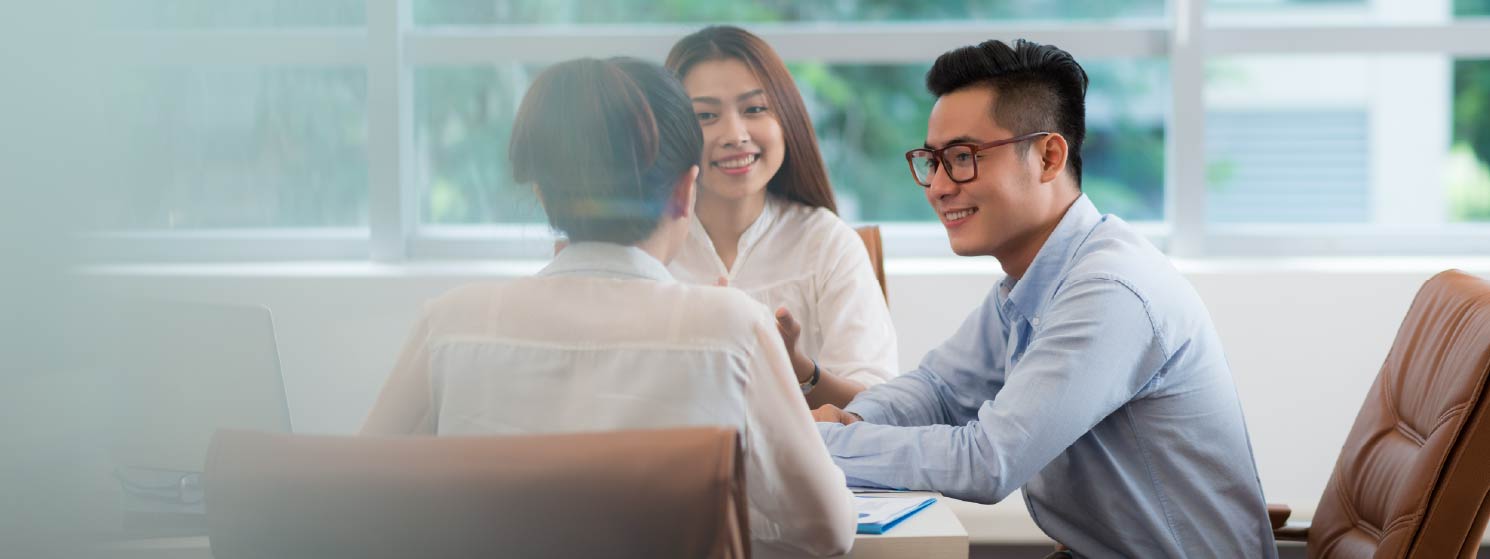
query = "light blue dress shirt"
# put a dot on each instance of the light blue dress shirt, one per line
(1097, 384)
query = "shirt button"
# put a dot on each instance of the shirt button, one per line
(1035, 321)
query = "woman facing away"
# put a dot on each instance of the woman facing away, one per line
(603, 338)
(766, 217)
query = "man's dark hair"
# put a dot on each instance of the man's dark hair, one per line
(1039, 88)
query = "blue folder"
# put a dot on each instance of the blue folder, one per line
(883, 525)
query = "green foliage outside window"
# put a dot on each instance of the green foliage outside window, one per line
(1469, 180)
(866, 116)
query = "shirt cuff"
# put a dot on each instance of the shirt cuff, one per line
(868, 410)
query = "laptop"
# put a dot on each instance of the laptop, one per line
(181, 371)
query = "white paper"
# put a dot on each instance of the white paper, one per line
(883, 510)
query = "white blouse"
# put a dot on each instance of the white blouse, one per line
(814, 264)
(604, 339)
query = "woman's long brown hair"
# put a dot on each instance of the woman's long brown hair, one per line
(802, 178)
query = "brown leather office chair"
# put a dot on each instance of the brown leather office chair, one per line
(1413, 477)
(870, 234)
(662, 493)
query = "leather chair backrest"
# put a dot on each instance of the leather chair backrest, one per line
(662, 493)
(870, 234)
(1413, 476)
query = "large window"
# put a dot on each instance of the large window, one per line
(866, 117)
(1224, 127)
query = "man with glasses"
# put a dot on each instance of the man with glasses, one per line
(1091, 376)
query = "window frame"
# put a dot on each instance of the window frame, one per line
(391, 46)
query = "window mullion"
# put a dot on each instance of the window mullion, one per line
(392, 200)
(1185, 160)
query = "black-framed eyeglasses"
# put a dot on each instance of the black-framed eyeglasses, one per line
(961, 160)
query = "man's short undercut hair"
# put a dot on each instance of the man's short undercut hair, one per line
(1037, 88)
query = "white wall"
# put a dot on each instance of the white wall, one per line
(1304, 338)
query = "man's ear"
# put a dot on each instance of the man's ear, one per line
(680, 202)
(1053, 150)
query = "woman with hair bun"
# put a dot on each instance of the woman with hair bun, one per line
(603, 338)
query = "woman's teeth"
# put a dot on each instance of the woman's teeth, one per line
(738, 162)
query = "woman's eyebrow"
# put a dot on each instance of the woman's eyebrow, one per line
(741, 97)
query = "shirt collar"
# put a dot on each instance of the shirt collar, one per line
(1031, 292)
(752, 234)
(758, 228)
(607, 260)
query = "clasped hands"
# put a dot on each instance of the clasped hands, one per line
(829, 413)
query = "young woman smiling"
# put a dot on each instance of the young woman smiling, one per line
(766, 219)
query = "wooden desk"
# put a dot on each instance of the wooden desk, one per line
(933, 533)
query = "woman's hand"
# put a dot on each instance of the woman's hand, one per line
(830, 388)
(790, 330)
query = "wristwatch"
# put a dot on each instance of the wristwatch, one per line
(812, 380)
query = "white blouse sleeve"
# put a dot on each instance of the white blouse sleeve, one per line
(858, 337)
(792, 482)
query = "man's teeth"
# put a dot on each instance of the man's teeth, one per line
(737, 163)
(959, 214)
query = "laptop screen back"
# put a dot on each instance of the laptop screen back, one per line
(185, 370)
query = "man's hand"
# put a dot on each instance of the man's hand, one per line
(829, 413)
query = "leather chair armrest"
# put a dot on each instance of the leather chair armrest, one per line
(1295, 533)
(1278, 516)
